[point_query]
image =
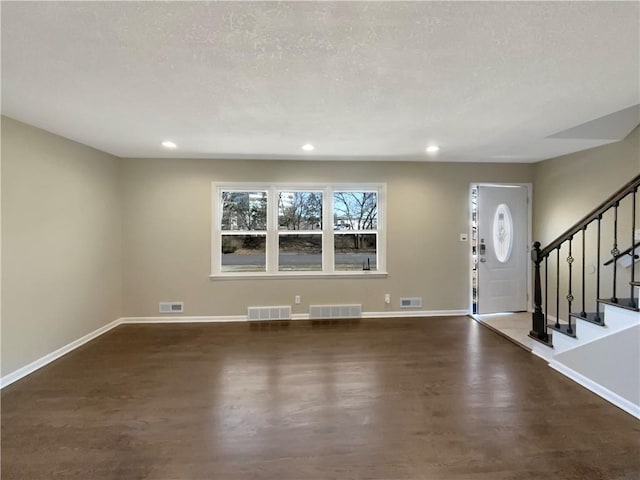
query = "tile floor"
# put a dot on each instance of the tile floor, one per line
(513, 326)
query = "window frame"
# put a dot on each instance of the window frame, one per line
(273, 232)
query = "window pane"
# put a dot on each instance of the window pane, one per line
(300, 211)
(243, 253)
(244, 211)
(502, 233)
(300, 253)
(355, 251)
(355, 210)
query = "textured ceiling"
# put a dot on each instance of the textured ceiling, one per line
(487, 81)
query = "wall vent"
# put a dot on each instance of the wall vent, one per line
(411, 302)
(317, 312)
(259, 314)
(171, 307)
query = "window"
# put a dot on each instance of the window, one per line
(355, 223)
(502, 233)
(243, 229)
(280, 230)
(299, 231)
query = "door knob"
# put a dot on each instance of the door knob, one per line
(483, 260)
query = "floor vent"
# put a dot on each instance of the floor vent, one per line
(257, 314)
(317, 312)
(171, 307)
(411, 302)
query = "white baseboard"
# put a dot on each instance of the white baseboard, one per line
(41, 362)
(295, 316)
(184, 319)
(540, 350)
(415, 313)
(598, 389)
(50, 357)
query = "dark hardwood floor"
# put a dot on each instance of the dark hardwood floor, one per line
(423, 398)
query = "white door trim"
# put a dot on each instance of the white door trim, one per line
(529, 187)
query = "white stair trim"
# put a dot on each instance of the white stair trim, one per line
(617, 319)
(541, 350)
(596, 388)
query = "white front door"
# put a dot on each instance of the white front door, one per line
(502, 248)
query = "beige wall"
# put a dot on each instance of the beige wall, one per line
(88, 238)
(167, 223)
(61, 242)
(567, 188)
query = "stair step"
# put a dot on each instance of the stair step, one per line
(591, 317)
(563, 329)
(622, 303)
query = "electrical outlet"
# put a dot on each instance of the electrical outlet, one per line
(387, 298)
(297, 300)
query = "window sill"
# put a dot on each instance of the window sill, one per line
(296, 275)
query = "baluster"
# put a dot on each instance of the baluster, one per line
(539, 327)
(583, 313)
(558, 289)
(570, 295)
(597, 317)
(633, 302)
(614, 251)
(546, 293)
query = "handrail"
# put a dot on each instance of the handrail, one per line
(540, 259)
(623, 253)
(591, 216)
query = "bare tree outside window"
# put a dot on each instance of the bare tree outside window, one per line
(279, 228)
(355, 210)
(300, 211)
(244, 211)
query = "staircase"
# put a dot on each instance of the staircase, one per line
(586, 320)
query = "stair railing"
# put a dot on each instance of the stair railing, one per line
(540, 258)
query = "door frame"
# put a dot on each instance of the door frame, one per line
(529, 187)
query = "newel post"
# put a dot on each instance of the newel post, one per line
(538, 321)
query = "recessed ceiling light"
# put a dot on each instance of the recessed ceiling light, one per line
(307, 147)
(433, 148)
(169, 144)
